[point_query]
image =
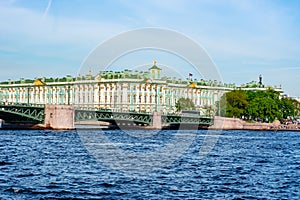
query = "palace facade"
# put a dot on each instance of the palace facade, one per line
(118, 91)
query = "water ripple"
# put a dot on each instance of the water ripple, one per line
(243, 165)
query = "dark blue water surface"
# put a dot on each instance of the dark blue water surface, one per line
(242, 165)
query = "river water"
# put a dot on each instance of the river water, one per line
(65, 164)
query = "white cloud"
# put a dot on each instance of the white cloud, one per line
(252, 29)
(28, 28)
(238, 34)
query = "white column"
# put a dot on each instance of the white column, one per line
(76, 94)
(32, 95)
(96, 95)
(125, 96)
(148, 91)
(102, 94)
(91, 95)
(137, 95)
(42, 94)
(143, 89)
(108, 93)
(86, 94)
(111, 96)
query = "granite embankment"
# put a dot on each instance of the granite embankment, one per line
(238, 124)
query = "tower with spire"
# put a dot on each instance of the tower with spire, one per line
(260, 80)
(155, 71)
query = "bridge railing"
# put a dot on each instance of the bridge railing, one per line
(108, 115)
(187, 119)
(111, 116)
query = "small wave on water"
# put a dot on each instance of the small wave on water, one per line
(242, 165)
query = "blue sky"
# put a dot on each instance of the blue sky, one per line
(245, 38)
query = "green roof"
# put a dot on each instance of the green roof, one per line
(155, 67)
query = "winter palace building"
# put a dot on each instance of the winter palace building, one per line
(123, 91)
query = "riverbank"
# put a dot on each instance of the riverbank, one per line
(220, 123)
(224, 123)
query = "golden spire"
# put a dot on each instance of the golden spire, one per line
(154, 62)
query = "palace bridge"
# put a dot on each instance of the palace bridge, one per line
(65, 116)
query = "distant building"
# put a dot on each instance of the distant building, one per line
(123, 91)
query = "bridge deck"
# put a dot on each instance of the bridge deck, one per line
(22, 113)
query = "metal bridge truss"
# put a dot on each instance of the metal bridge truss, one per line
(195, 119)
(114, 117)
(22, 112)
(35, 113)
(139, 118)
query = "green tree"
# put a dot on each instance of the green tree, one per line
(264, 105)
(232, 104)
(257, 105)
(184, 104)
(266, 109)
(290, 108)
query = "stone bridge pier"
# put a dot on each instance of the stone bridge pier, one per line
(59, 117)
(156, 121)
(62, 117)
